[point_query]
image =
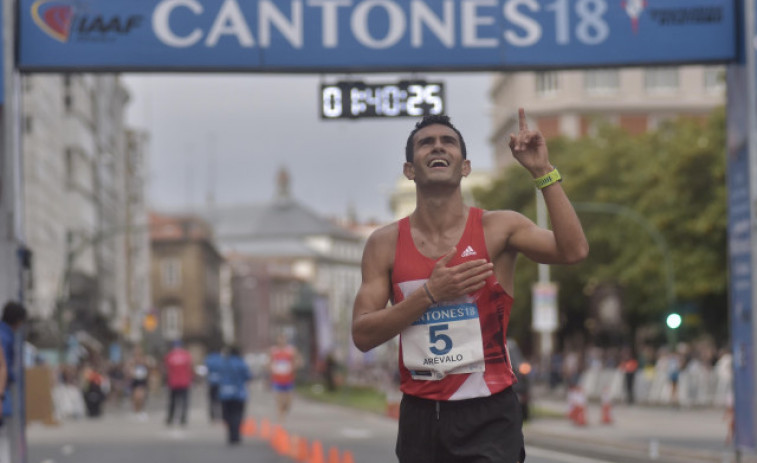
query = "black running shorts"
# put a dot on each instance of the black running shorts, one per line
(480, 430)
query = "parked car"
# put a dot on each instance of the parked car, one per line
(522, 370)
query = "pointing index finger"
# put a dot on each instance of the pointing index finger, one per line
(522, 119)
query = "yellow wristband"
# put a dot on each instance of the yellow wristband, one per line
(548, 179)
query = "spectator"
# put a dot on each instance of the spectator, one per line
(94, 390)
(673, 367)
(14, 316)
(214, 362)
(179, 374)
(138, 371)
(232, 392)
(628, 366)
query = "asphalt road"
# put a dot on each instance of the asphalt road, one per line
(121, 437)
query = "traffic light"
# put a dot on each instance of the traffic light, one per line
(673, 321)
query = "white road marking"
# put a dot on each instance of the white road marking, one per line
(563, 457)
(356, 433)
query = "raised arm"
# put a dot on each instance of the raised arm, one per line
(566, 242)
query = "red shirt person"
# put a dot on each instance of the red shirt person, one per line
(284, 361)
(179, 369)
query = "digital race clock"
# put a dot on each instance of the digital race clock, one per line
(354, 99)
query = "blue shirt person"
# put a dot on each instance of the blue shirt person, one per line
(14, 315)
(214, 364)
(232, 391)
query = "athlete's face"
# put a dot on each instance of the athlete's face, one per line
(437, 156)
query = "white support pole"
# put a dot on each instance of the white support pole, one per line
(545, 336)
(11, 221)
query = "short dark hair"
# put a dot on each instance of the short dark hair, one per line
(442, 119)
(14, 313)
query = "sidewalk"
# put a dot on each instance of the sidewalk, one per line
(638, 433)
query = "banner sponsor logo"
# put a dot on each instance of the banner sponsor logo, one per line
(634, 9)
(68, 20)
(54, 18)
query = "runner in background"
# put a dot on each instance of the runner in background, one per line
(284, 361)
(138, 371)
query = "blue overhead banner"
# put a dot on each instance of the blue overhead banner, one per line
(370, 35)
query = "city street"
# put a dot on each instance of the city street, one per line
(119, 437)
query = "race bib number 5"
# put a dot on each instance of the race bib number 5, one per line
(445, 340)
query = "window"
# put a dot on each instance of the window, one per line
(714, 79)
(68, 103)
(70, 168)
(171, 273)
(78, 170)
(602, 81)
(662, 79)
(172, 323)
(546, 83)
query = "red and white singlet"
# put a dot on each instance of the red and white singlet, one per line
(282, 365)
(457, 349)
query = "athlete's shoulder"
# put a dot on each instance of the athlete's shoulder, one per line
(385, 235)
(386, 230)
(501, 217)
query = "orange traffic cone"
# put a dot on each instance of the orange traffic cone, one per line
(265, 429)
(333, 455)
(294, 443)
(316, 454)
(280, 441)
(303, 455)
(249, 428)
(285, 446)
(606, 407)
(581, 416)
(347, 457)
(577, 406)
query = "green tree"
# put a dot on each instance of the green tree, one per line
(673, 179)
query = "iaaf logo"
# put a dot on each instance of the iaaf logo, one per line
(62, 19)
(634, 8)
(54, 18)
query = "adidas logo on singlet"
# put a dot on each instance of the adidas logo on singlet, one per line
(469, 251)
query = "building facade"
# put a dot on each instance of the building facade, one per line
(185, 284)
(572, 103)
(279, 248)
(137, 239)
(74, 144)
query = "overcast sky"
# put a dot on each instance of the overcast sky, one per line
(231, 134)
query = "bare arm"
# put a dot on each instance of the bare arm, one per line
(566, 242)
(373, 323)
